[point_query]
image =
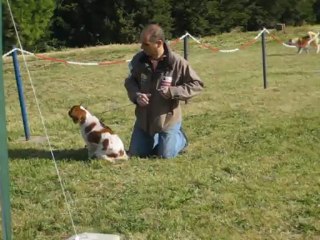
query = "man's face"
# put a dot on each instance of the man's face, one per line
(150, 48)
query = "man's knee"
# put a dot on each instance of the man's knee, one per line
(167, 152)
(167, 155)
(138, 151)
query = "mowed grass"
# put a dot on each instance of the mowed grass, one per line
(251, 171)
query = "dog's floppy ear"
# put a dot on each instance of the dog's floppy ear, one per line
(75, 118)
(70, 112)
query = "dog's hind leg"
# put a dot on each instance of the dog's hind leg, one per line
(299, 50)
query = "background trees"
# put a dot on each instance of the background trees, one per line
(76, 23)
(33, 19)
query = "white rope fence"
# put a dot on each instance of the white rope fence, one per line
(187, 34)
(41, 56)
(223, 50)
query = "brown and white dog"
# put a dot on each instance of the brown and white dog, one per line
(100, 140)
(303, 43)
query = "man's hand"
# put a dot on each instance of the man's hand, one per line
(143, 99)
(165, 93)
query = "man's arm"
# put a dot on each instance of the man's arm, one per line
(191, 84)
(131, 85)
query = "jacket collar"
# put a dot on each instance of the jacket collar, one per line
(168, 59)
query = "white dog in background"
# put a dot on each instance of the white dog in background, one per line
(100, 140)
(303, 43)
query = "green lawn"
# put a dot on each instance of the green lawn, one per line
(252, 169)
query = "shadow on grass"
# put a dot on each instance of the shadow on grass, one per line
(67, 154)
(281, 54)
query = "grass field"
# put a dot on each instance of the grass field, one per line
(252, 169)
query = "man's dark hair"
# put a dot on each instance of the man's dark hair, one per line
(154, 31)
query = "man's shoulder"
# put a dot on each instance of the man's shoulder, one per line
(176, 58)
(138, 57)
(172, 55)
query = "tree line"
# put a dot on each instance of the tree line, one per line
(51, 24)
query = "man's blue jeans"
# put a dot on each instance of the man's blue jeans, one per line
(166, 144)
